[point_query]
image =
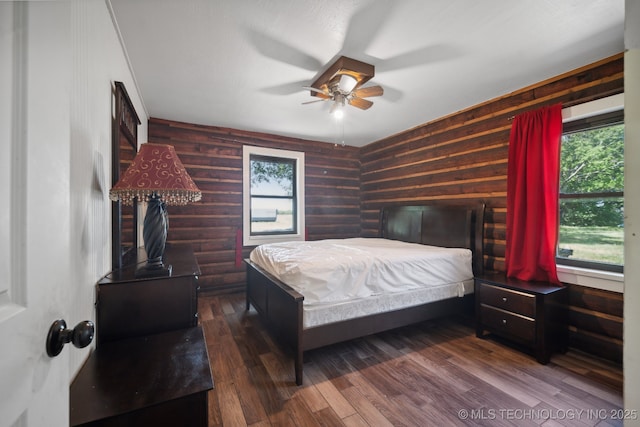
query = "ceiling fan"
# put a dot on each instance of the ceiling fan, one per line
(342, 83)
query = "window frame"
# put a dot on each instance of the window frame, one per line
(298, 159)
(591, 276)
(600, 120)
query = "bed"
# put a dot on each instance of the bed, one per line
(297, 325)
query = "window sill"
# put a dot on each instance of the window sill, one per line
(266, 239)
(598, 279)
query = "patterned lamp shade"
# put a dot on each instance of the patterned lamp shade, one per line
(156, 171)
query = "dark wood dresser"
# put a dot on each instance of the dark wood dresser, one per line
(127, 306)
(531, 314)
(150, 365)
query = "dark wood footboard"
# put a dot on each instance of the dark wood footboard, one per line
(280, 308)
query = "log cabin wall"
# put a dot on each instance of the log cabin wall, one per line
(462, 159)
(213, 158)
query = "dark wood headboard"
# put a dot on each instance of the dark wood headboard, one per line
(446, 226)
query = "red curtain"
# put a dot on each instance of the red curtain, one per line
(532, 194)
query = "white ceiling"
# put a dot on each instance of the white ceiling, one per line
(242, 63)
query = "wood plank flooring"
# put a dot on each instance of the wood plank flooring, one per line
(435, 373)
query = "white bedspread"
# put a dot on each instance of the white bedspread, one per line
(338, 270)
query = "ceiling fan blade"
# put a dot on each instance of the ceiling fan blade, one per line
(284, 89)
(365, 92)
(321, 93)
(282, 51)
(317, 100)
(363, 104)
(314, 89)
(365, 24)
(420, 57)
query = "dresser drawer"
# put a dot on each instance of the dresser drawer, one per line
(504, 322)
(507, 299)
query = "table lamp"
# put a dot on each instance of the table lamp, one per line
(157, 175)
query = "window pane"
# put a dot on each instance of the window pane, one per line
(271, 215)
(593, 161)
(272, 195)
(592, 230)
(271, 177)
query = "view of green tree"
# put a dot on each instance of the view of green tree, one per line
(265, 171)
(593, 162)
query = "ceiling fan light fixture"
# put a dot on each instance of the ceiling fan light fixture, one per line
(343, 66)
(337, 109)
(342, 83)
(338, 113)
(347, 83)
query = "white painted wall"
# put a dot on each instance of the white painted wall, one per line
(98, 60)
(632, 212)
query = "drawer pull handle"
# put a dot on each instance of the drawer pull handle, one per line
(504, 299)
(504, 321)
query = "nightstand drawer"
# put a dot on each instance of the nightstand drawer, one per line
(501, 321)
(517, 302)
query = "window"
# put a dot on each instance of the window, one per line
(273, 195)
(591, 233)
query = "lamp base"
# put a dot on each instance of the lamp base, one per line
(154, 233)
(153, 270)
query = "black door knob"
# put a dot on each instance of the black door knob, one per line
(81, 336)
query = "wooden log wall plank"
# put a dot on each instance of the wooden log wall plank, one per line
(596, 321)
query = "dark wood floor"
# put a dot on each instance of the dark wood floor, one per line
(436, 373)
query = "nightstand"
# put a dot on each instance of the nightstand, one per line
(532, 314)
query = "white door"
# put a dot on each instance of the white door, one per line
(34, 216)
